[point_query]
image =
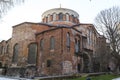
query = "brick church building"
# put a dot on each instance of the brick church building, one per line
(58, 45)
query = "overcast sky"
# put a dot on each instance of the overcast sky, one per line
(32, 10)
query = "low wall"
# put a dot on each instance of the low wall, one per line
(63, 77)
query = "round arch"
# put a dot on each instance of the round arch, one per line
(86, 62)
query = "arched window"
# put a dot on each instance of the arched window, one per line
(54, 16)
(67, 17)
(60, 16)
(0, 64)
(77, 45)
(52, 43)
(46, 19)
(32, 51)
(68, 40)
(73, 18)
(1, 49)
(7, 50)
(41, 45)
(51, 17)
(15, 53)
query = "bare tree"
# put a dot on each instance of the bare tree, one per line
(108, 22)
(5, 5)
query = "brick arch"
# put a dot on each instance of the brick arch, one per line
(32, 53)
(86, 62)
(15, 53)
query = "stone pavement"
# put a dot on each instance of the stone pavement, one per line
(116, 78)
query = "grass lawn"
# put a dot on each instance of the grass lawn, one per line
(101, 77)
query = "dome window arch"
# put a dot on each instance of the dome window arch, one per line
(60, 16)
(54, 16)
(48, 18)
(73, 18)
(51, 17)
(67, 17)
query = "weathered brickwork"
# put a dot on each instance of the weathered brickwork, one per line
(60, 44)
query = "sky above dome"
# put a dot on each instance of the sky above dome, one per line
(32, 10)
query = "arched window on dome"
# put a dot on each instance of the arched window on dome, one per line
(48, 17)
(60, 16)
(67, 17)
(51, 17)
(54, 16)
(73, 18)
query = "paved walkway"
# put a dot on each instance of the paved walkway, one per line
(116, 79)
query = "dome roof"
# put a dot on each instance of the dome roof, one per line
(60, 16)
(60, 10)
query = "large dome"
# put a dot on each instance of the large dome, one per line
(60, 16)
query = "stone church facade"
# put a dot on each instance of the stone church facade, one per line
(59, 45)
